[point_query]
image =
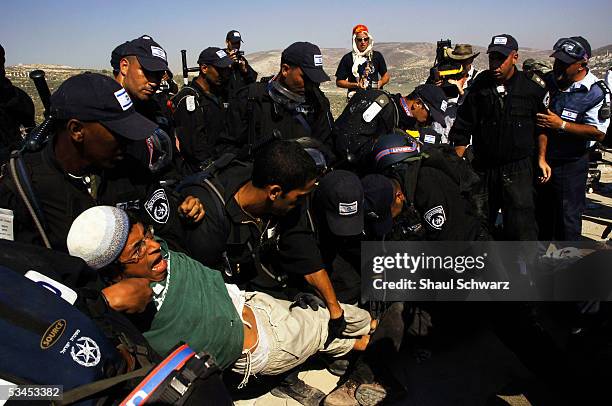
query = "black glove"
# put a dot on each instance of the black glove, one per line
(306, 300)
(335, 329)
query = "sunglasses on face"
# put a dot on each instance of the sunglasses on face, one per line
(366, 39)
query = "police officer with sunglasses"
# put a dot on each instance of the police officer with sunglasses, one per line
(578, 115)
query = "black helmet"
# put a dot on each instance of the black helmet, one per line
(394, 148)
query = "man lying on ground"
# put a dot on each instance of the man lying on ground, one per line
(250, 331)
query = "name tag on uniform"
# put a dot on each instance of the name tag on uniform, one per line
(54, 286)
(569, 114)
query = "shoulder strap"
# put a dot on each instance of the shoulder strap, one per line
(604, 111)
(254, 97)
(26, 192)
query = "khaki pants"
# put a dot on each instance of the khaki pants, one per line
(294, 335)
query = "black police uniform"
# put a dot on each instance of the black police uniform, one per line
(258, 255)
(440, 210)
(200, 119)
(62, 197)
(255, 117)
(504, 140)
(16, 109)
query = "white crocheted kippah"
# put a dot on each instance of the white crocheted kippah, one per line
(98, 235)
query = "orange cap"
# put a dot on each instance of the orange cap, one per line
(360, 28)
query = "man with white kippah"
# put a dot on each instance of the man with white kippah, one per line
(249, 331)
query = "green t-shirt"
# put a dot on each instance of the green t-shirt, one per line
(193, 306)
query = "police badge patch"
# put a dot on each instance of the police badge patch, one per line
(158, 207)
(435, 217)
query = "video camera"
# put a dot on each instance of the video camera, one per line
(445, 69)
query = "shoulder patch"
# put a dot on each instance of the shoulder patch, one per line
(158, 206)
(435, 217)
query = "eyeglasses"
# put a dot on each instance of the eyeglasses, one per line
(140, 248)
(571, 47)
(366, 39)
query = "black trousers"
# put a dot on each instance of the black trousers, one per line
(509, 187)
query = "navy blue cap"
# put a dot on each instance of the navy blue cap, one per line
(572, 49)
(308, 57)
(340, 195)
(378, 197)
(216, 57)
(99, 98)
(435, 100)
(234, 36)
(503, 43)
(149, 53)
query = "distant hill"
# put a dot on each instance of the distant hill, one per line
(408, 63)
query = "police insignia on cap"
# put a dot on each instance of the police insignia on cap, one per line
(318, 60)
(500, 40)
(221, 54)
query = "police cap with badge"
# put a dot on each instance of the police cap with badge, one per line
(576, 49)
(308, 57)
(99, 98)
(149, 53)
(435, 102)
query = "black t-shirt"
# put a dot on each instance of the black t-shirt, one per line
(378, 68)
(227, 237)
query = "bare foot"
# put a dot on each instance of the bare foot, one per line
(361, 343)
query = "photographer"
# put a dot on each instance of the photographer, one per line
(242, 73)
(362, 68)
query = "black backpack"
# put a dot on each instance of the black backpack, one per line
(369, 113)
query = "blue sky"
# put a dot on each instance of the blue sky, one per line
(83, 33)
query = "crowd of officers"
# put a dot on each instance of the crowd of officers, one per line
(186, 166)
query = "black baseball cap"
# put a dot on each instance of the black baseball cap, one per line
(435, 100)
(308, 57)
(340, 196)
(216, 57)
(378, 197)
(234, 36)
(572, 49)
(503, 43)
(94, 97)
(150, 54)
